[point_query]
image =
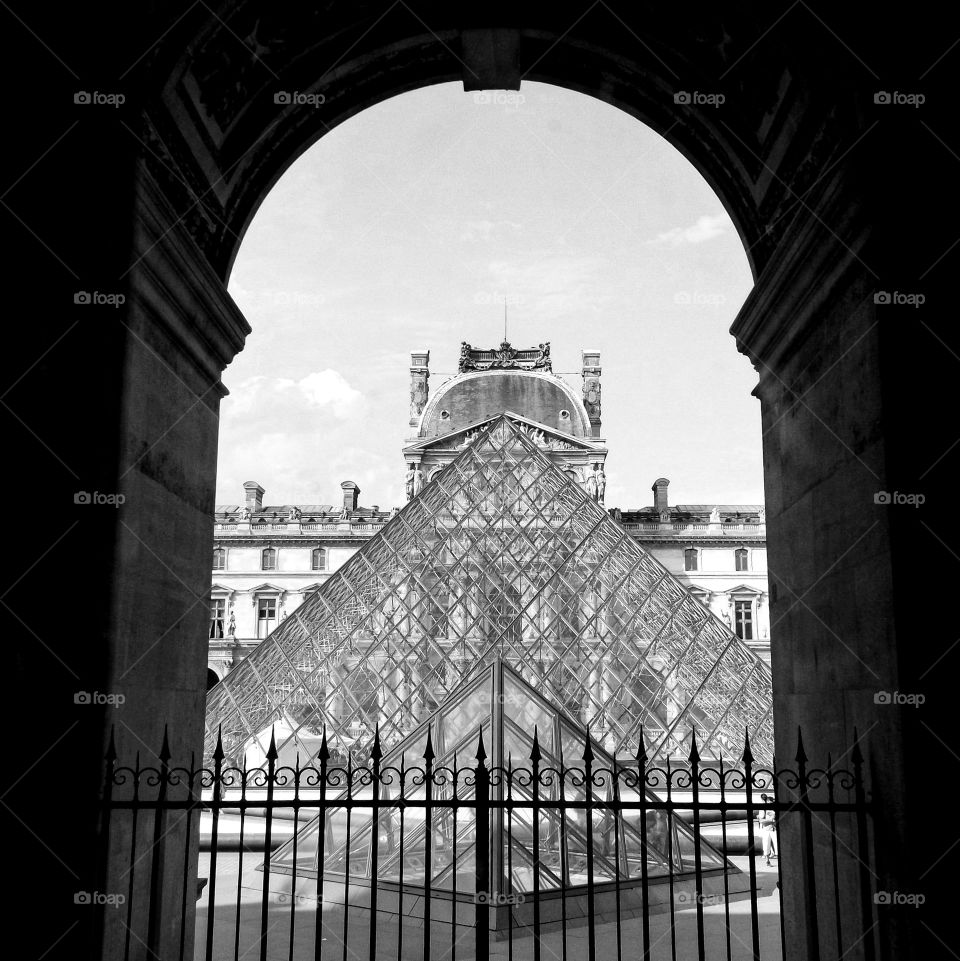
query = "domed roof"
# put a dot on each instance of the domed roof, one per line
(474, 396)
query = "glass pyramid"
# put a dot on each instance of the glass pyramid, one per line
(500, 556)
(499, 705)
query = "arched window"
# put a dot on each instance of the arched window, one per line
(691, 559)
(741, 558)
(318, 559)
(268, 559)
(219, 559)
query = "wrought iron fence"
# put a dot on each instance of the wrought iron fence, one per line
(373, 860)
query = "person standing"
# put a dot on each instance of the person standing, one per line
(766, 819)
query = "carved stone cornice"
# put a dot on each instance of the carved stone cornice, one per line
(806, 274)
(173, 283)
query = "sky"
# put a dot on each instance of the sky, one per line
(408, 225)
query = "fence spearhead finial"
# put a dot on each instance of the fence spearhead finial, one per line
(641, 754)
(856, 755)
(587, 749)
(481, 754)
(375, 752)
(218, 753)
(801, 757)
(535, 754)
(272, 752)
(428, 754)
(323, 755)
(694, 756)
(165, 753)
(747, 753)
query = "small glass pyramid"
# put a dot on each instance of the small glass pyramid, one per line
(501, 556)
(500, 707)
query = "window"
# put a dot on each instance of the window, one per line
(741, 559)
(318, 559)
(266, 615)
(218, 610)
(690, 559)
(743, 619)
(219, 559)
(268, 559)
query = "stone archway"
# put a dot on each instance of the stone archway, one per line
(168, 193)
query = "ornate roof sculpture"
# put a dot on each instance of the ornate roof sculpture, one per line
(505, 357)
(501, 555)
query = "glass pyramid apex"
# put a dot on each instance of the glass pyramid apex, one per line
(499, 556)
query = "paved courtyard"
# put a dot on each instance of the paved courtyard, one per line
(399, 944)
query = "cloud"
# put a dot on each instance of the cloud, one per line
(706, 228)
(329, 388)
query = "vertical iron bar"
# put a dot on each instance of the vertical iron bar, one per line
(809, 869)
(428, 757)
(455, 812)
(697, 854)
(510, 853)
(191, 801)
(751, 841)
(346, 866)
(157, 859)
(776, 799)
(268, 837)
(591, 904)
(106, 821)
(617, 819)
(866, 908)
(482, 848)
(134, 824)
(831, 801)
(323, 756)
(670, 819)
(243, 826)
(535, 757)
(726, 879)
(564, 857)
(375, 755)
(214, 840)
(400, 805)
(644, 850)
(296, 837)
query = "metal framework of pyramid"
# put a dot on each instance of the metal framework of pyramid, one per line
(500, 556)
(498, 705)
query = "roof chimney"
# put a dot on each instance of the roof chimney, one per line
(659, 489)
(350, 495)
(254, 496)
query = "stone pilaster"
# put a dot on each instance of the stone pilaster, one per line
(419, 384)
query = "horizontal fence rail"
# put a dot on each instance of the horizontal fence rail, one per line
(365, 860)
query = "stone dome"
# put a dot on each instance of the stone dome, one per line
(477, 395)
